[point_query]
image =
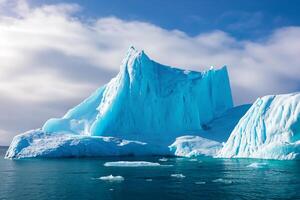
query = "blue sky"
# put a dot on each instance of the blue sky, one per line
(55, 53)
(241, 19)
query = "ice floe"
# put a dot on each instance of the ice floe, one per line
(221, 180)
(257, 165)
(178, 175)
(131, 164)
(112, 178)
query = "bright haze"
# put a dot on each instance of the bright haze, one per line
(53, 53)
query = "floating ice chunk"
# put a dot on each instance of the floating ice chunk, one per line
(193, 160)
(112, 178)
(220, 180)
(131, 164)
(178, 175)
(148, 179)
(189, 146)
(163, 159)
(200, 182)
(257, 165)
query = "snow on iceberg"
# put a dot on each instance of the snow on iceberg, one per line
(269, 130)
(189, 146)
(146, 102)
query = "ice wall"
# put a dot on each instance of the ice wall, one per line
(270, 129)
(146, 100)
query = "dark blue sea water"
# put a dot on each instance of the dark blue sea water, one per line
(41, 179)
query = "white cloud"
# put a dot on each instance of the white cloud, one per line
(4, 137)
(47, 55)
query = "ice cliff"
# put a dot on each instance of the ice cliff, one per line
(146, 100)
(140, 111)
(270, 130)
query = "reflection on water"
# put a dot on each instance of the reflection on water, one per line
(204, 179)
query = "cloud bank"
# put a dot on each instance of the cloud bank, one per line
(50, 59)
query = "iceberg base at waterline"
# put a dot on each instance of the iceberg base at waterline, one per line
(37, 143)
(269, 130)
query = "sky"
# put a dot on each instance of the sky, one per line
(53, 54)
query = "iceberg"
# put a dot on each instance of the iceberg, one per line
(37, 143)
(269, 130)
(139, 112)
(190, 146)
(147, 99)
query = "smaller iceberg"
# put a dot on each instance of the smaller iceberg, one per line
(269, 130)
(189, 146)
(37, 143)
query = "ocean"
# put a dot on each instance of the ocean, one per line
(174, 178)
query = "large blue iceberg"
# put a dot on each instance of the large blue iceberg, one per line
(139, 112)
(152, 109)
(269, 130)
(148, 100)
